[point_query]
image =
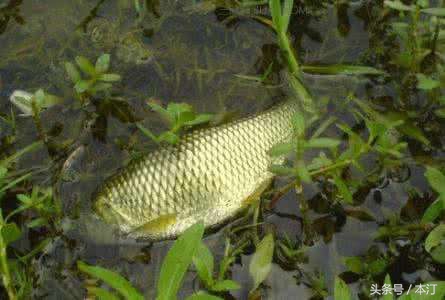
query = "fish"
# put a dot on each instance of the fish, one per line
(209, 176)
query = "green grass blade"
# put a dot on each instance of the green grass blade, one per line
(341, 70)
(287, 11)
(177, 261)
(116, 281)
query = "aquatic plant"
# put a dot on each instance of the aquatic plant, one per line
(14, 272)
(98, 80)
(178, 116)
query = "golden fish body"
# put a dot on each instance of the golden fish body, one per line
(207, 177)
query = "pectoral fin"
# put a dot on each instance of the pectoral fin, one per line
(157, 225)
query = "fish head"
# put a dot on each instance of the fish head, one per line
(112, 211)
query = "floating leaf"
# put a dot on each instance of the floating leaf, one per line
(177, 261)
(10, 233)
(103, 63)
(261, 262)
(111, 278)
(341, 290)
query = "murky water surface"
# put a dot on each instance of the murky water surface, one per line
(180, 52)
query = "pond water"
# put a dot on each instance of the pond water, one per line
(199, 52)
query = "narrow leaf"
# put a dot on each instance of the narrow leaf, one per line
(397, 5)
(203, 261)
(10, 233)
(426, 83)
(341, 290)
(282, 149)
(85, 65)
(177, 260)
(275, 9)
(435, 11)
(162, 111)
(169, 137)
(436, 179)
(203, 296)
(200, 119)
(82, 86)
(103, 63)
(341, 69)
(101, 294)
(287, 11)
(72, 72)
(435, 237)
(433, 211)
(261, 262)
(343, 189)
(110, 77)
(282, 170)
(322, 143)
(388, 296)
(116, 281)
(225, 285)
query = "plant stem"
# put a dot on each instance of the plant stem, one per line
(282, 191)
(6, 274)
(289, 53)
(331, 167)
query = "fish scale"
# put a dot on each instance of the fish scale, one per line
(207, 177)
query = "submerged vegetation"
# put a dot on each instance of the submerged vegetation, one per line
(357, 210)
